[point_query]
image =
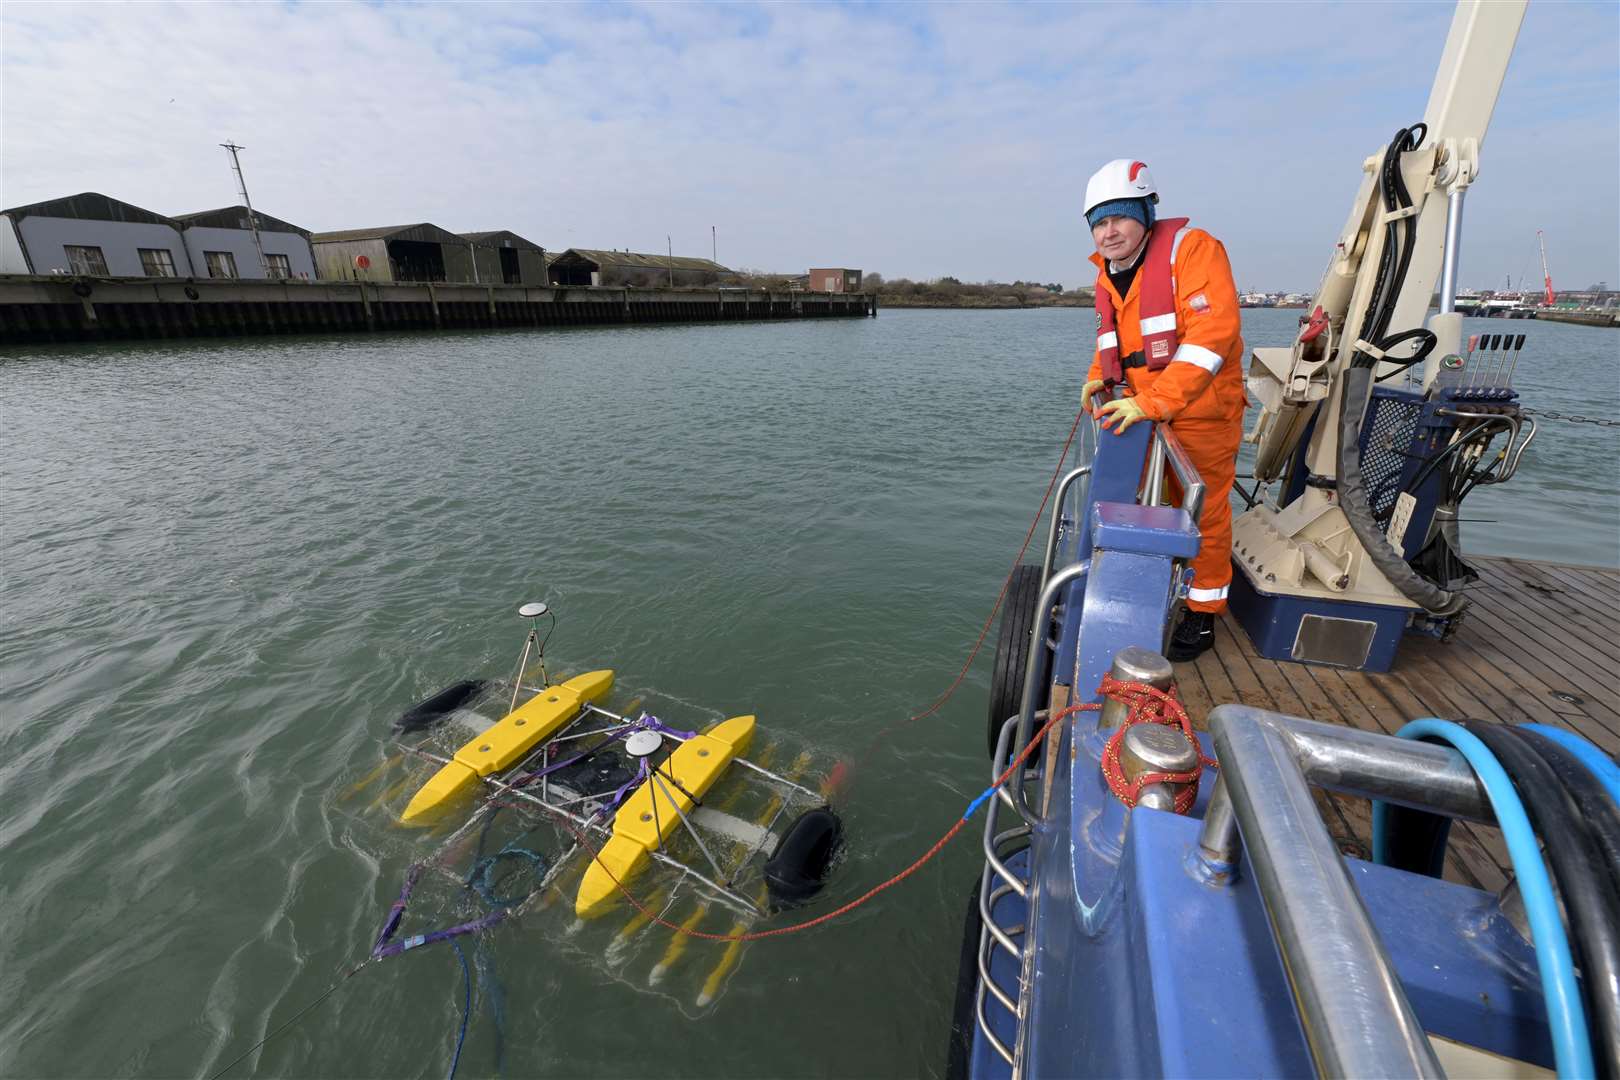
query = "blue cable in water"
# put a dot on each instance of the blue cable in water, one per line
(1601, 765)
(466, 1006)
(1566, 1015)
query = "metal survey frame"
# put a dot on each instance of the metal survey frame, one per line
(734, 900)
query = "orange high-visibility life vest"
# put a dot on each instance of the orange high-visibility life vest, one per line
(1157, 305)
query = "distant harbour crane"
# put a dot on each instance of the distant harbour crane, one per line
(1546, 276)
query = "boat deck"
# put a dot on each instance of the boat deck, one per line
(1541, 643)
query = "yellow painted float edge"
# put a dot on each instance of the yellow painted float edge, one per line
(696, 764)
(503, 744)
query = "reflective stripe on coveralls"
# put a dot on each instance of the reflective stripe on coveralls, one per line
(1199, 389)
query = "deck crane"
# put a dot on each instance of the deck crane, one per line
(1353, 546)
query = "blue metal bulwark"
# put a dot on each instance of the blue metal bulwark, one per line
(1116, 472)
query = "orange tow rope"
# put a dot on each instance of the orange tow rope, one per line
(839, 771)
(756, 935)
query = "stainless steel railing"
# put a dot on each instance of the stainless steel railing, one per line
(996, 881)
(1356, 1017)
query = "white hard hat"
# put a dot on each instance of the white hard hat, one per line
(1121, 178)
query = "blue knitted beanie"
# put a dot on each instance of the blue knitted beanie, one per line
(1140, 209)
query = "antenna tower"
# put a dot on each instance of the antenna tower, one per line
(253, 221)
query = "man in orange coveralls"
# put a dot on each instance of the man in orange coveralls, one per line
(1168, 328)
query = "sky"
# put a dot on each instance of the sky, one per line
(918, 140)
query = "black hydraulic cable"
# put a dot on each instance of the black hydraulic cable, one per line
(1352, 485)
(1596, 807)
(1354, 502)
(1401, 200)
(1575, 858)
(1456, 446)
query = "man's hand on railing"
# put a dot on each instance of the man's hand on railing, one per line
(1123, 412)
(1092, 389)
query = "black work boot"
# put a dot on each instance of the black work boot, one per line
(1193, 636)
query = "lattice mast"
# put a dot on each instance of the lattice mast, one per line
(253, 221)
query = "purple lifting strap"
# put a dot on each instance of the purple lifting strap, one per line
(652, 723)
(432, 936)
(397, 912)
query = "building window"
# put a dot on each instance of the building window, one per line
(157, 262)
(220, 263)
(85, 260)
(279, 266)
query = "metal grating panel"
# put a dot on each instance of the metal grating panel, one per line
(1386, 446)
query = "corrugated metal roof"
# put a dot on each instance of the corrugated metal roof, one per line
(90, 206)
(420, 231)
(636, 260)
(236, 217)
(501, 238)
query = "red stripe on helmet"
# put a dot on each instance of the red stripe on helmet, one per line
(1136, 167)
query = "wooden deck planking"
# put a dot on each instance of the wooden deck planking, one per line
(1569, 614)
(1576, 644)
(1560, 668)
(1535, 631)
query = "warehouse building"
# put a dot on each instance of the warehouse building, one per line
(591, 266)
(836, 279)
(505, 258)
(220, 245)
(420, 252)
(93, 235)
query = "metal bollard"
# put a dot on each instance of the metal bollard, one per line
(1154, 748)
(1133, 664)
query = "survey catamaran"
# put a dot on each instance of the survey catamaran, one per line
(621, 813)
(1145, 911)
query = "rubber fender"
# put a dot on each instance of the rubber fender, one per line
(799, 868)
(192, 293)
(82, 289)
(430, 712)
(1013, 641)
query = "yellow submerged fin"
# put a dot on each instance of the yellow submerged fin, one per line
(503, 745)
(649, 815)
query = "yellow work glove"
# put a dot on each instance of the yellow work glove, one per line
(1123, 412)
(1090, 392)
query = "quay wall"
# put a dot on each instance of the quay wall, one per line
(43, 308)
(1584, 318)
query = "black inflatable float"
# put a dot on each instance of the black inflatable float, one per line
(798, 869)
(430, 712)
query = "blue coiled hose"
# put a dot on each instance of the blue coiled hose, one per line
(1566, 1015)
(1602, 766)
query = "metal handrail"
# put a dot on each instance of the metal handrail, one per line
(1059, 495)
(1032, 678)
(992, 933)
(1352, 1006)
(1192, 484)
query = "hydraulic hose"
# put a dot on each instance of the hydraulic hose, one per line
(1358, 511)
(1599, 811)
(1582, 876)
(1566, 1016)
(1400, 236)
(1602, 766)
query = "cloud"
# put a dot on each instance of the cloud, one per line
(915, 140)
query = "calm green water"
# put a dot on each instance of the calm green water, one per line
(227, 566)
